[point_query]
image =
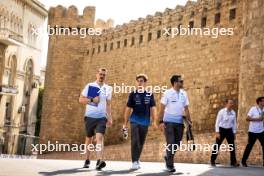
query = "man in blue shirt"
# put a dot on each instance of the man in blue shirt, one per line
(140, 106)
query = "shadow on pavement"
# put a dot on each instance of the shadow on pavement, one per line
(164, 173)
(112, 172)
(64, 172)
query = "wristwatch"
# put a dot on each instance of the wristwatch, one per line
(161, 121)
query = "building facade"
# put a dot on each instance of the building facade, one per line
(20, 58)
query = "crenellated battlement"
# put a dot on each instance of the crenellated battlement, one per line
(200, 14)
(70, 17)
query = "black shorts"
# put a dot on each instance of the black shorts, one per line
(94, 125)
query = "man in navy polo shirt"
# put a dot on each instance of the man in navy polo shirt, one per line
(140, 106)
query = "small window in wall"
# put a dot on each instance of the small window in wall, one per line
(158, 34)
(203, 22)
(191, 24)
(111, 46)
(105, 47)
(132, 41)
(118, 44)
(217, 18)
(125, 43)
(88, 52)
(140, 38)
(99, 49)
(192, 14)
(149, 36)
(232, 14)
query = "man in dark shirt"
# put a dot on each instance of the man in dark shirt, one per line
(140, 107)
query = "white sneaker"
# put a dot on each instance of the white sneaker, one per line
(135, 165)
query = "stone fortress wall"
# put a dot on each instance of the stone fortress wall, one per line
(213, 69)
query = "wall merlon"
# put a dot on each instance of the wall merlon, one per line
(69, 17)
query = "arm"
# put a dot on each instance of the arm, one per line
(234, 128)
(84, 100)
(217, 124)
(161, 114)
(128, 112)
(154, 116)
(187, 114)
(254, 119)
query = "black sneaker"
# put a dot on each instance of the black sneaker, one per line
(100, 165)
(234, 165)
(86, 164)
(244, 164)
(169, 169)
(213, 163)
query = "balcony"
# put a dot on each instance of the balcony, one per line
(8, 90)
(9, 37)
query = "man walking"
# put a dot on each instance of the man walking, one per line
(174, 105)
(256, 129)
(225, 128)
(96, 96)
(140, 107)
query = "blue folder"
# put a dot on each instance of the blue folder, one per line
(93, 92)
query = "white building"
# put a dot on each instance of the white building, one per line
(20, 59)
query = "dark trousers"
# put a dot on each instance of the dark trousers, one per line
(229, 136)
(173, 135)
(138, 136)
(252, 137)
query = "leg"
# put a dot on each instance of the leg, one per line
(135, 142)
(171, 141)
(88, 141)
(261, 140)
(230, 139)
(218, 142)
(143, 130)
(251, 141)
(178, 133)
(100, 131)
(100, 142)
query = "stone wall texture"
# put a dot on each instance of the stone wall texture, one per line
(214, 69)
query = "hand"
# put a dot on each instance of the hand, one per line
(125, 125)
(162, 126)
(189, 123)
(217, 135)
(109, 122)
(96, 99)
(155, 125)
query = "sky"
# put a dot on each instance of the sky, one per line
(121, 11)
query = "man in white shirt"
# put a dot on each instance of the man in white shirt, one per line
(256, 129)
(174, 105)
(96, 96)
(225, 128)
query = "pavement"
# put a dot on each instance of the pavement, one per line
(45, 167)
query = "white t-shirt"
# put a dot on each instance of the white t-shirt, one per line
(255, 126)
(175, 103)
(105, 93)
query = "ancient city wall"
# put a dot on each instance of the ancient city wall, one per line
(210, 67)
